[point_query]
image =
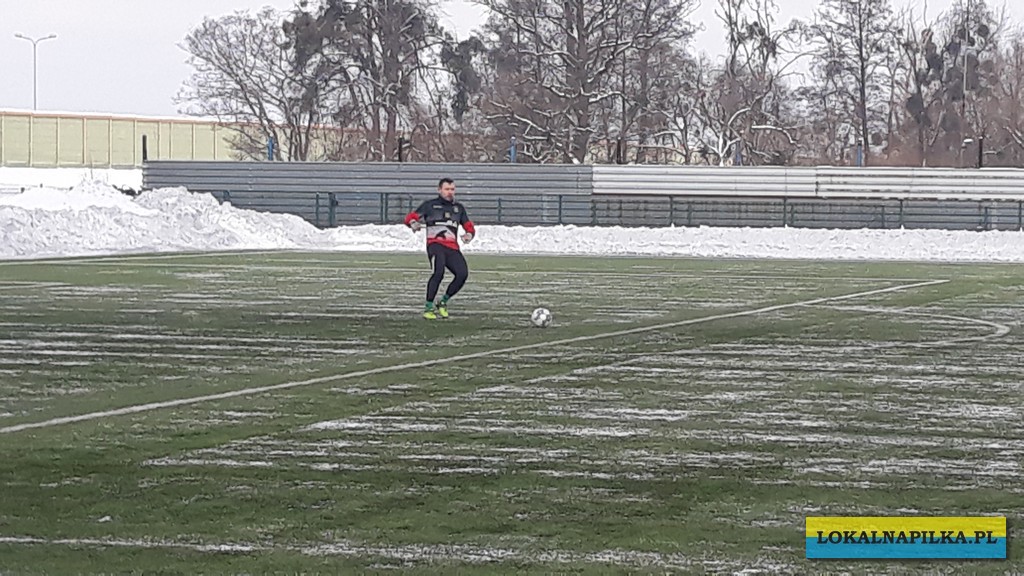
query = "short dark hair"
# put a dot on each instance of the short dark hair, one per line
(445, 181)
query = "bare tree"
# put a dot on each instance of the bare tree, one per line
(826, 135)
(949, 82)
(676, 106)
(743, 106)
(1012, 93)
(549, 61)
(381, 50)
(247, 76)
(553, 63)
(856, 40)
(922, 83)
(649, 74)
(458, 130)
(982, 32)
(447, 124)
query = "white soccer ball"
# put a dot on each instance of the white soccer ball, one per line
(541, 317)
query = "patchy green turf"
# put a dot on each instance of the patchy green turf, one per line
(696, 447)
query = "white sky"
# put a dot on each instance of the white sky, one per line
(122, 56)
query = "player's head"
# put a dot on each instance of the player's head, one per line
(446, 188)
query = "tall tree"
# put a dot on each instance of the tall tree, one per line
(950, 76)
(1010, 96)
(553, 62)
(980, 32)
(649, 74)
(675, 106)
(457, 130)
(381, 49)
(248, 76)
(742, 102)
(922, 84)
(856, 42)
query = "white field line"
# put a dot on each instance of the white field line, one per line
(999, 330)
(427, 363)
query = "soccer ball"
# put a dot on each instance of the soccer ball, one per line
(541, 318)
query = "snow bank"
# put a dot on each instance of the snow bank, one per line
(93, 218)
(14, 179)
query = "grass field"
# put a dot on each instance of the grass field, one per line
(287, 412)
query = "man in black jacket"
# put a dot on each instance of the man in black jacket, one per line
(442, 217)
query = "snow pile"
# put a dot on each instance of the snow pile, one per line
(784, 243)
(86, 196)
(14, 179)
(95, 219)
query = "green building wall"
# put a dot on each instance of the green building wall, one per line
(57, 140)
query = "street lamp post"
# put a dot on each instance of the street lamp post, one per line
(35, 75)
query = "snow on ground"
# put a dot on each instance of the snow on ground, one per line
(93, 218)
(13, 180)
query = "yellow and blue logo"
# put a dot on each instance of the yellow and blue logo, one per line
(869, 537)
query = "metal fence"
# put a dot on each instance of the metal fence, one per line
(334, 194)
(329, 209)
(813, 182)
(757, 212)
(369, 178)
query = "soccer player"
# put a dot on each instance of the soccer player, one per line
(443, 216)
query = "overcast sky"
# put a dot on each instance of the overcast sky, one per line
(122, 56)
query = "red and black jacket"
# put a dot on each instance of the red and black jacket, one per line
(442, 219)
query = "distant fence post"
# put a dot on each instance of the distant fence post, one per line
(270, 148)
(145, 149)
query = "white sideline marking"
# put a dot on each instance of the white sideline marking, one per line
(999, 330)
(426, 363)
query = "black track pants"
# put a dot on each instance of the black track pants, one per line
(441, 258)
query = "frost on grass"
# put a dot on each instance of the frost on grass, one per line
(806, 410)
(828, 406)
(435, 554)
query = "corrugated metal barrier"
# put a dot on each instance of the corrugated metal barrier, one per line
(335, 194)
